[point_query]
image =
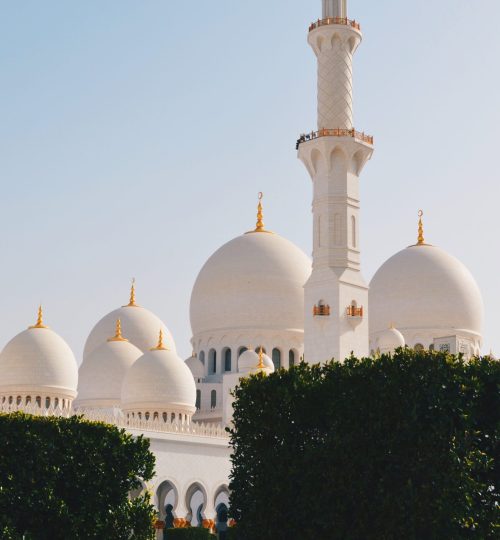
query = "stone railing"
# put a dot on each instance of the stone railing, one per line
(116, 418)
(336, 132)
(334, 20)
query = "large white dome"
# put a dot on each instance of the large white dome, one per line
(423, 287)
(139, 325)
(38, 362)
(159, 381)
(254, 281)
(102, 373)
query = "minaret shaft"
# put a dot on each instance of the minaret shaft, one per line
(336, 295)
(334, 8)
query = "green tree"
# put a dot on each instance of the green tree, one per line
(70, 478)
(403, 446)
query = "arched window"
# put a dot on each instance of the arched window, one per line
(353, 231)
(291, 358)
(212, 361)
(213, 399)
(202, 357)
(241, 350)
(28, 400)
(56, 402)
(276, 358)
(38, 401)
(47, 402)
(198, 399)
(19, 400)
(227, 360)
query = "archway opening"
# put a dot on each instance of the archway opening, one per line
(212, 362)
(196, 502)
(166, 496)
(276, 358)
(227, 360)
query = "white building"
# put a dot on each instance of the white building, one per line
(257, 304)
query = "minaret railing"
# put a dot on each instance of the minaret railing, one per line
(336, 132)
(334, 20)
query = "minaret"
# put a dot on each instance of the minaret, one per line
(336, 294)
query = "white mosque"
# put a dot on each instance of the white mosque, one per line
(258, 304)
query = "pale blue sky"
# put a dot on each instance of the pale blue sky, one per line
(135, 135)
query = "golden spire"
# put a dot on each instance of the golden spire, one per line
(118, 334)
(261, 360)
(420, 241)
(161, 346)
(259, 226)
(260, 223)
(39, 321)
(132, 295)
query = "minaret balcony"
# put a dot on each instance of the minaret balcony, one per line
(354, 315)
(321, 311)
(353, 311)
(337, 132)
(334, 20)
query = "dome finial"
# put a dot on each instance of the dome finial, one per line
(160, 346)
(259, 226)
(420, 241)
(261, 359)
(118, 334)
(260, 216)
(39, 320)
(132, 295)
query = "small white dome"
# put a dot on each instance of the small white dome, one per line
(423, 287)
(159, 381)
(102, 373)
(196, 367)
(140, 326)
(254, 281)
(390, 340)
(38, 362)
(268, 362)
(249, 360)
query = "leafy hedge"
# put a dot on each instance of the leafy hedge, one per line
(404, 446)
(191, 533)
(69, 478)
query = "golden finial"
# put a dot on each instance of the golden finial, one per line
(132, 295)
(260, 223)
(39, 320)
(420, 241)
(118, 334)
(160, 346)
(259, 226)
(261, 360)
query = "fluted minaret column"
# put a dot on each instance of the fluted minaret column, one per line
(336, 295)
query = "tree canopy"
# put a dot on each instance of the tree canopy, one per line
(70, 478)
(402, 446)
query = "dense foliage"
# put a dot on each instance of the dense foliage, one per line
(403, 446)
(69, 478)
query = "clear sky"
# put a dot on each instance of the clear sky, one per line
(134, 137)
